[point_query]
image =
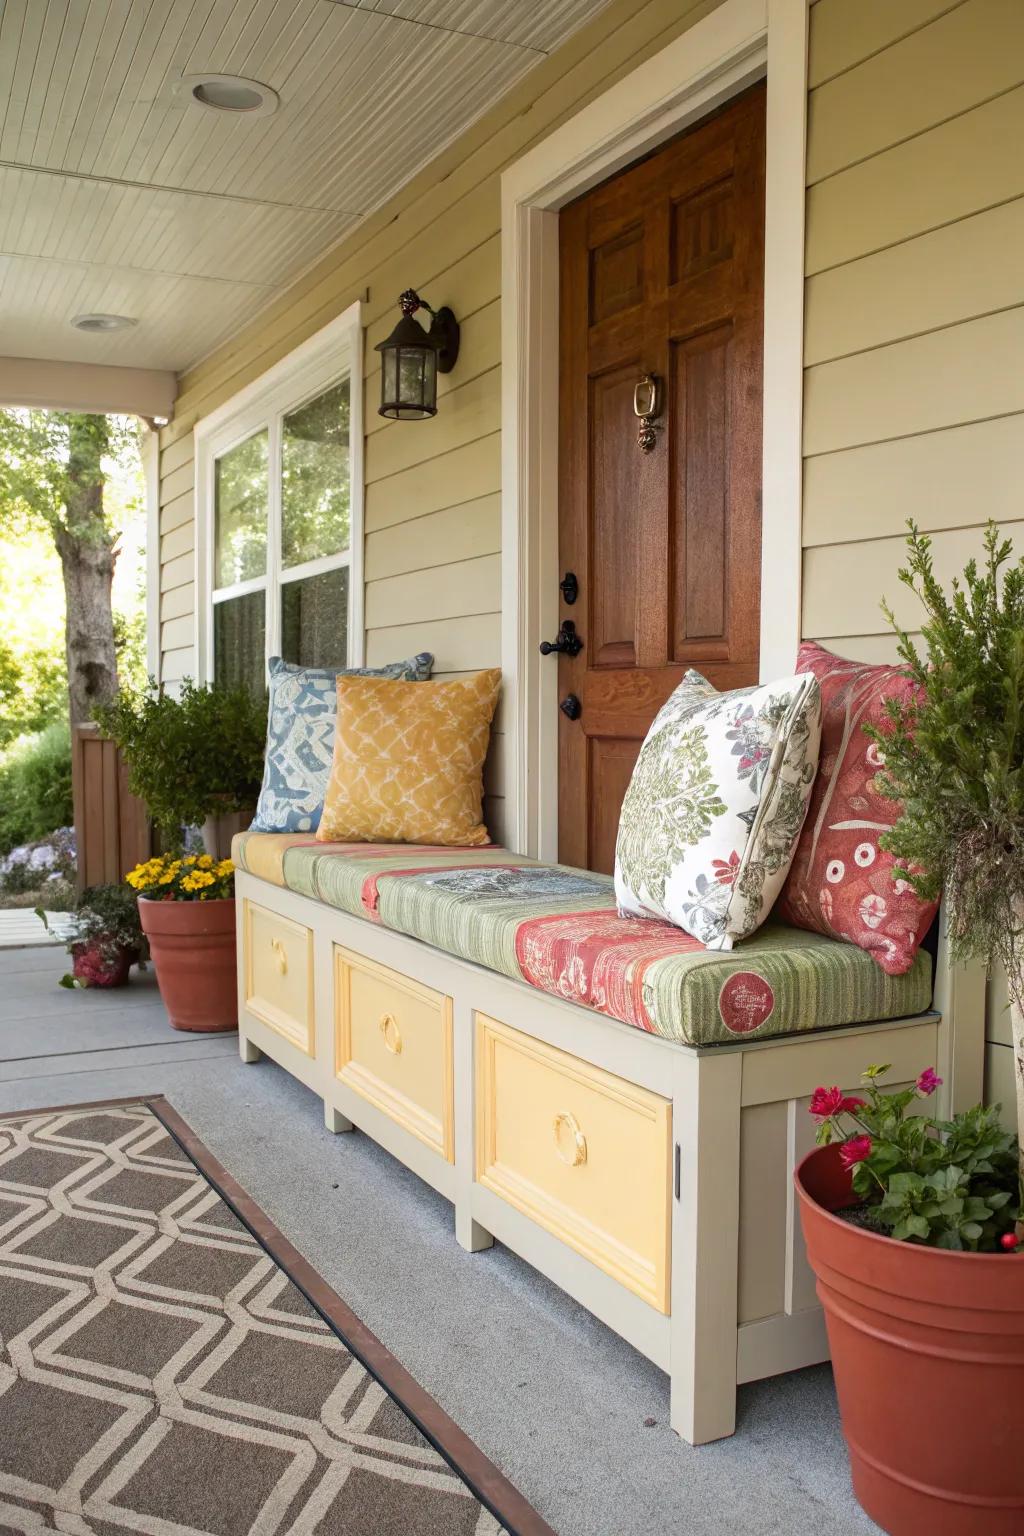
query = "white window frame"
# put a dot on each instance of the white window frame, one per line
(306, 372)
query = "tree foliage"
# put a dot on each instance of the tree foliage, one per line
(52, 476)
(35, 786)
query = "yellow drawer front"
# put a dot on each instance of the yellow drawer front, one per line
(279, 975)
(583, 1153)
(393, 1045)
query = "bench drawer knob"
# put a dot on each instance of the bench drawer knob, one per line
(280, 957)
(392, 1036)
(570, 1142)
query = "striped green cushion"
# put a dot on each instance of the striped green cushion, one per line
(558, 929)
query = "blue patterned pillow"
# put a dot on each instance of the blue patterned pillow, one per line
(300, 738)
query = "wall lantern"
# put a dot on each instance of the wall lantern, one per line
(411, 359)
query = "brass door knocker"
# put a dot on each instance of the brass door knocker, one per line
(647, 408)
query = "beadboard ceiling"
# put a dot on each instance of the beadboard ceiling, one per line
(119, 195)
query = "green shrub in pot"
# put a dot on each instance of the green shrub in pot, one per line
(955, 758)
(189, 756)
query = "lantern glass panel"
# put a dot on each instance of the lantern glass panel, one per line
(389, 381)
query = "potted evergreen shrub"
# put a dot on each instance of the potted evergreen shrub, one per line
(195, 759)
(187, 908)
(913, 1225)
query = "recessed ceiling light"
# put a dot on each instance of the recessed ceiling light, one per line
(228, 93)
(103, 322)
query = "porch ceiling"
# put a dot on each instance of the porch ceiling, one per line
(119, 196)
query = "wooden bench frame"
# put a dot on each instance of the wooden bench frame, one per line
(742, 1299)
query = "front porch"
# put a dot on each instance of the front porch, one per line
(574, 1416)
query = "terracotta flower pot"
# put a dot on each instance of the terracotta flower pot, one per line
(192, 944)
(97, 966)
(928, 1353)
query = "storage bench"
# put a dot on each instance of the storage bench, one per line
(604, 1096)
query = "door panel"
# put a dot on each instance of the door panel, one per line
(614, 519)
(699, 491)
(661, 274)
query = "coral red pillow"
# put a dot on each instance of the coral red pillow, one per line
(841, 882)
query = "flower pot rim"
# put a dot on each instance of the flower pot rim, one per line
(185, 901)
(923, 1252)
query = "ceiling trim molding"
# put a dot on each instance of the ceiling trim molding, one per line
(96, 387)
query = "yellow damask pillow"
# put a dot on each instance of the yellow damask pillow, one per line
(409, 760)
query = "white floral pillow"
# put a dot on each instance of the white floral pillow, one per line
(713, 811)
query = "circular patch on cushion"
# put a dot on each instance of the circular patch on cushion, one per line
(745, 1003)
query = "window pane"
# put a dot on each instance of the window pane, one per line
(314, 620)
(239, 641)
(315, 478)
(240, 500)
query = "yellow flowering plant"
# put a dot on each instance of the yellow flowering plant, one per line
(185, 877)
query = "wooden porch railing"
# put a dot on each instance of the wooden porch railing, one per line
(112, 827)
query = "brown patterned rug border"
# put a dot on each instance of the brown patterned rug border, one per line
(461, 1453)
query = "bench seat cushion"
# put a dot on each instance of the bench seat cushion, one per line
(558, 929)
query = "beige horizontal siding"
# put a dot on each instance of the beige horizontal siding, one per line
(845, 35)
(966, 269)
(442, 592)
(462, 532)
(177, 633)
(177, 573)
(964, 373)
(174, 513)
(179, 542)
(957, 168)
(175, 455)
(459, 645)
(469, 472)
(964, 57)
(177, 664)
(844, 583)
(178, 601)
(177, 483)
(877, 650)
(940, 479)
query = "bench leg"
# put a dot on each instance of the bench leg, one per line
(705, 1246)
(248, 1052)
(335, 1121)
(469, 1234)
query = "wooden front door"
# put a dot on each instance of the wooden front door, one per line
(662, 277)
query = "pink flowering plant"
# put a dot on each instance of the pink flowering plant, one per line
(941, 1183)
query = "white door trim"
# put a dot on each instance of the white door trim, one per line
(737, 44)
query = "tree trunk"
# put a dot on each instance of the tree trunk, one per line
(87, 553)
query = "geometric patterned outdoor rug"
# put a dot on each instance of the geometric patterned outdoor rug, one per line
(169, 1364)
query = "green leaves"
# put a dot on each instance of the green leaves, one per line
(945, 1183)
(192, 756)
(955, 757)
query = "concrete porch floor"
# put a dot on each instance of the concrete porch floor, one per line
(560, 1403)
